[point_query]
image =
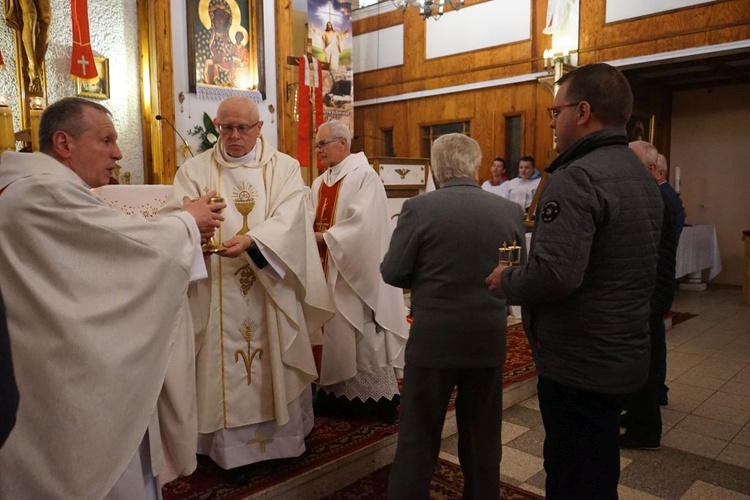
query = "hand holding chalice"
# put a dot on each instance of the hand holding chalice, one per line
(207, 213)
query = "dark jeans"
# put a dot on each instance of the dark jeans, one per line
(659, 353)
(644, 413)
(581, 447)
(424, 401)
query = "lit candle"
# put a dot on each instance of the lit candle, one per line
(677, 180)
(7, 136)
(36, 108)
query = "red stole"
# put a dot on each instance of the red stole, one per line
(325, 217)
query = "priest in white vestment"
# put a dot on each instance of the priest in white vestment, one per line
(97, 314)
(522, 189)
(257, 316)
(364, 342)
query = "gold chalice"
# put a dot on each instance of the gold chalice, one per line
(214, 245)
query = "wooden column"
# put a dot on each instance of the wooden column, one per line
(157, 90)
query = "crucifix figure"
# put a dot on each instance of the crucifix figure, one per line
(31, 18)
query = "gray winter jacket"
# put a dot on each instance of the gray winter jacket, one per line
(592, 268)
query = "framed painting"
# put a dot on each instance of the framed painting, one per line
(96, 88)
(225, 44)
(641, 127)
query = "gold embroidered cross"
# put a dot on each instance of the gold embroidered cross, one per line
(259, 441)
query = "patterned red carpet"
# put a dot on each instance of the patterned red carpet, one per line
(519, 365)
(447, 483)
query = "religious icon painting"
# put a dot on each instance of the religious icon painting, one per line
(97, 87)
(641, 127)
(225, 47)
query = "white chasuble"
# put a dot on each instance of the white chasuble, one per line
(98, 321)
(369, 331)
(253, 326)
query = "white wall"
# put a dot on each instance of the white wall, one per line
(114, 35)
(710, 131)
(193, 107)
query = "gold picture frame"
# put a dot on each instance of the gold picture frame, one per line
(95, 88)
(640, 127)
(225, 45)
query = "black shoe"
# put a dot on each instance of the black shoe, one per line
(625, 420)
(238, 476)
(634, 443)
(663, 400)
(388, 412)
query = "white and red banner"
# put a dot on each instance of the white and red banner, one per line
(309, 107)
(330, 28)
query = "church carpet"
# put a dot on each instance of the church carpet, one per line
(335, 437)
(331, 438)
(447, 483)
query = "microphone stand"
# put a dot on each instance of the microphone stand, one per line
(187, 146)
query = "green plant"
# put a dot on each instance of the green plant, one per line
(207, 132)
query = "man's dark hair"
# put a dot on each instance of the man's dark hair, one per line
(66, 115)
(605, 88)
(500, 159)
(530, 159)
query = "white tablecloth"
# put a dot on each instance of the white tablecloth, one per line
(698, 249)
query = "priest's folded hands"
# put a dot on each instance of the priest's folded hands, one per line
(207, 215)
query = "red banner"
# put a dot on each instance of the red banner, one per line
(82, 60)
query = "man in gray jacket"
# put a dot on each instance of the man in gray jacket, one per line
(444, 245)
(585, 289)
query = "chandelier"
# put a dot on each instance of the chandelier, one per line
(428, 8)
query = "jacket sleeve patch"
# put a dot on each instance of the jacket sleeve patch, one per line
(550, 211)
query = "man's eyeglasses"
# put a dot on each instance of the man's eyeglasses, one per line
(226, 128)
(322, 144)
(554, 111)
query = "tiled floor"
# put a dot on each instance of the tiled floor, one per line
(705, 451)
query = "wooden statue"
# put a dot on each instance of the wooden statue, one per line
(31, 18)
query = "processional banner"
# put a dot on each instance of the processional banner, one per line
(330, 29)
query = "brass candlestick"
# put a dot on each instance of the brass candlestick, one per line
(509, 255)
(214, 245)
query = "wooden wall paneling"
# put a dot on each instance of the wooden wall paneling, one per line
(718, 22)
(394, 116)
(157, 90)
(545, 152)
(286, 77)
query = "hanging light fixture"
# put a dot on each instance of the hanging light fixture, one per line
(428, 8)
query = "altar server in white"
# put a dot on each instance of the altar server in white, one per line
(365, 340)
(256, 316)
(522, 189)
(98, 320)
